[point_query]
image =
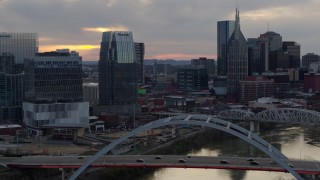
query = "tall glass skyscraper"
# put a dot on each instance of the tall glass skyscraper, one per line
(139, 50)
(11, 90)
(224, 32)
(237, 62)
(21, 45)
(117, 69)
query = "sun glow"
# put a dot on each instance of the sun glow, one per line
(104, 29)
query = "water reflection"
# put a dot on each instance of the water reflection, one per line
(294, 142)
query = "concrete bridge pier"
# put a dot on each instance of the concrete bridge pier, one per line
(63, 173)
(255, 127)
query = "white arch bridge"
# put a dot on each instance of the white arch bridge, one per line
(279, 115)
(199, 120)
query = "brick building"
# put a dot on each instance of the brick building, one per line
(312, 82)
(254, 87)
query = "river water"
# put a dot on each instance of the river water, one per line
(295, 142)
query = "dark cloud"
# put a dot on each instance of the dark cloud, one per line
(166, 26)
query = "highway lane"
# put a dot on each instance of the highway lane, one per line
(175, 161)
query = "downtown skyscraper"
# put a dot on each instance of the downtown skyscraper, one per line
(224, 32)
(237, 60)
(22, 45)
(53, 91)
(117, 69)
(11, 90)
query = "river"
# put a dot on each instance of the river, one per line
(295, 142)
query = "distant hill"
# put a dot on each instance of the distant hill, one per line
(151, 62)
(90, 62)
(167, 61)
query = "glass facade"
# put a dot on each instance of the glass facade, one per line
(11, 90)
(117, 69)
(21, 45)
(237, 61)
(139, 51)
(192, 79)
(224, 32)
(54, 77)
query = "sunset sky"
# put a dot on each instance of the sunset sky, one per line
(177, 29)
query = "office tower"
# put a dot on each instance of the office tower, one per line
(11, 90)
(274, 40)
(53, 90)
(155, 71)
(117, 69)
(21, 45)
(237, 62)
(309, 58)
(293, 50)
(209, 64)
(258, 56)
(139, 51)
(224, 32)
(192, 79)
(91, 93)
(275, 47)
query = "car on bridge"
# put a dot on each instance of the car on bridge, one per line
(254, 163)
(158, 157)
(250, 159)
(140, 160)
(224, 162)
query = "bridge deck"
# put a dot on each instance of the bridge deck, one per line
(166, 161)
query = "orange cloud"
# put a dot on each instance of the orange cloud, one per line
(88, 52)
(180, 56)
(71, 47)
(104, 29)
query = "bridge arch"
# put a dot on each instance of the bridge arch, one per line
(290, 116)
(236, 114)
(199, 120)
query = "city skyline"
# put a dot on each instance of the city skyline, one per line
(169, 29)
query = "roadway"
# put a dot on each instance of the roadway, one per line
(166, 161)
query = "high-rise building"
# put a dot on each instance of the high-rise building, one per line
(209, 64)
(21, 45)
(274, 40)
(139, 51)
(278, 59)
(91, 93)
(293, 50)
(275, 49)
(309, 58)
(192, 79)
(224, 32)
(11, 90)
(53, 91)
(237, 66)
(117, 69)
(258, 56)
(54, 76)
